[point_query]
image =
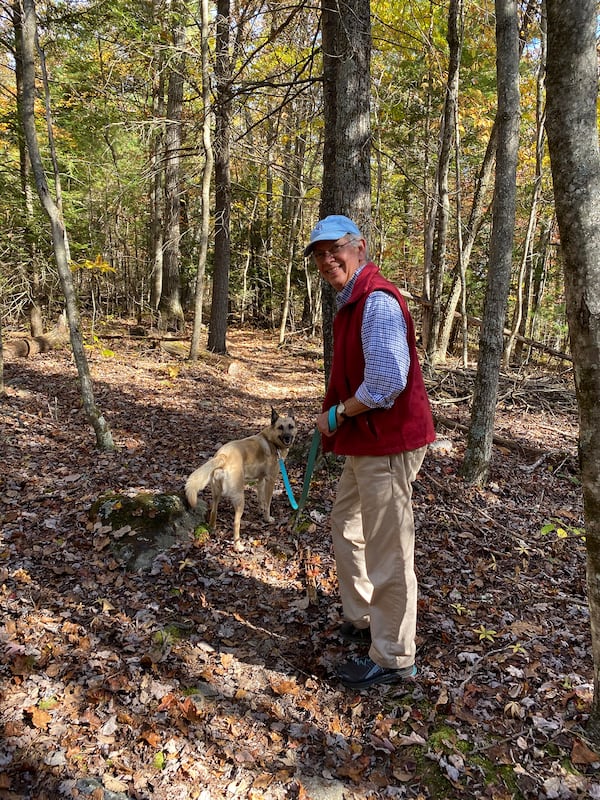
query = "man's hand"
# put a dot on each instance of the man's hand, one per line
(323, 424)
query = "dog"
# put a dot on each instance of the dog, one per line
(255, 458)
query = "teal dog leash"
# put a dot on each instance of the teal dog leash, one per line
(310, 465)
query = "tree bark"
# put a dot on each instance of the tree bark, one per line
(523, 303)
(217, 333)
(157, 141)
(207, 170)
(571, 125)
(169, 307)
(441, 206)
(477, 213)
(346, 36)
(28, 32)
(478, 454)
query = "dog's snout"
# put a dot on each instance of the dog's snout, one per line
(287, 438)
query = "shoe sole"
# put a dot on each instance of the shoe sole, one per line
(390, 677)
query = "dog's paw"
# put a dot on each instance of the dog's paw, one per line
(269, 518)
(238, 546)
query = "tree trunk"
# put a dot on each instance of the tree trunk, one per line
(169, 307)
(522, 306)
(206, 179)
(25, 174)
(477, 214)
(441, 206)
(157, 141)
(479, 444)
(295, 195)
(346, 30)
(571, 125)
(217, 333)
(28, 33)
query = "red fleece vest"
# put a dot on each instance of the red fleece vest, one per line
(408, 424)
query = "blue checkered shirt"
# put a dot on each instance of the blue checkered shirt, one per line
(385, 347)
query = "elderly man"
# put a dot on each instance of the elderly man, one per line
(376, 413)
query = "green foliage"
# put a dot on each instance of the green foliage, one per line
(563, 530)
(201, 534)
(108, 68)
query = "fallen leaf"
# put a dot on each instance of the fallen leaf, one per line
(284, 687)
(39, 718)
(582, 754)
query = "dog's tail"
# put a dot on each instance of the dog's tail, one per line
(199, 479)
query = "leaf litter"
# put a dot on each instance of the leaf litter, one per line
(211, 676)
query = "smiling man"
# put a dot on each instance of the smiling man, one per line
(376, 413)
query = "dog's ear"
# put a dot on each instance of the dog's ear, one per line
(291, 414)
(274, 416)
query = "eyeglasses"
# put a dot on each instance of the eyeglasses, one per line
(321, 255)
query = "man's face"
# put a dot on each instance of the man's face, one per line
(338, 260)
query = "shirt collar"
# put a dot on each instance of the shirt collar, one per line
(343, 297)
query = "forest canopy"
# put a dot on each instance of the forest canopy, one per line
(106, 93)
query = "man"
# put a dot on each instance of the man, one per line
(376, 413)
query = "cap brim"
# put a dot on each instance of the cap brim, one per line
(328, 236)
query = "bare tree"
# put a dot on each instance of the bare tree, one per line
(475, 466)
(28, 39)
(572, 129)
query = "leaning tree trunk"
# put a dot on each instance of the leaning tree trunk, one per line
(571, 125)
(29, 33)
(478, 454)
(346, 153)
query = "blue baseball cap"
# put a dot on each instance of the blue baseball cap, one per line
(330, 229)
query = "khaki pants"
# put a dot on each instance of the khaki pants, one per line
(373, 537)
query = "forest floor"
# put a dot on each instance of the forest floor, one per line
(212, 676)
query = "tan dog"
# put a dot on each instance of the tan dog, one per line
(255, 458)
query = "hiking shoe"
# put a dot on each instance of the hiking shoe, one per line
(358, 673)
(351, 633)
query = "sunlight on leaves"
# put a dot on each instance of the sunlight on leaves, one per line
(98, 265)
